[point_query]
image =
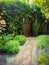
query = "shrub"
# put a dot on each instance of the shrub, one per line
(43, 41)
(43, 59)
(6, 37)
(21, 39)
(12, 46)
(1, 47)
(36, 26)
(1, 40)
(1, 44)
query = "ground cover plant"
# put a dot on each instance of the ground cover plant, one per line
(43, 49)
(43, 59)
(1, 47)
(11, 44)
(43, 41)
(21, 38)
(6, 37)
(1, 44)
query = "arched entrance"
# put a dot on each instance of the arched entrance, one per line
(28, 26)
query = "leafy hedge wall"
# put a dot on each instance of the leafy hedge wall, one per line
(17, 14)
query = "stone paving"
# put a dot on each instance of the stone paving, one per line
(27, 54)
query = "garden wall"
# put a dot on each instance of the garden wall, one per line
(17, 15)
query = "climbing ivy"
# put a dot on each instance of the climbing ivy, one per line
(17, 13)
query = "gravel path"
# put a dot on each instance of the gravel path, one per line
(27, 54)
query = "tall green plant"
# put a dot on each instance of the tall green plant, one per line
(36, 28)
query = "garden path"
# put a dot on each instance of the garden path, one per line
(27, 54)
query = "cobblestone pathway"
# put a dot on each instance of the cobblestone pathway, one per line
(27, 54)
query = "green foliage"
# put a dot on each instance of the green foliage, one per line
(43, 41)
(24, 1)
(6, 37)
(39, 2)
(12, 46)
(16, 14)
(1, 44)
(36, 27)
(44, 5)
(39, 19)
(1, 47)
(1, 40)
(43, 59)
(21, 39)
(12, 28)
